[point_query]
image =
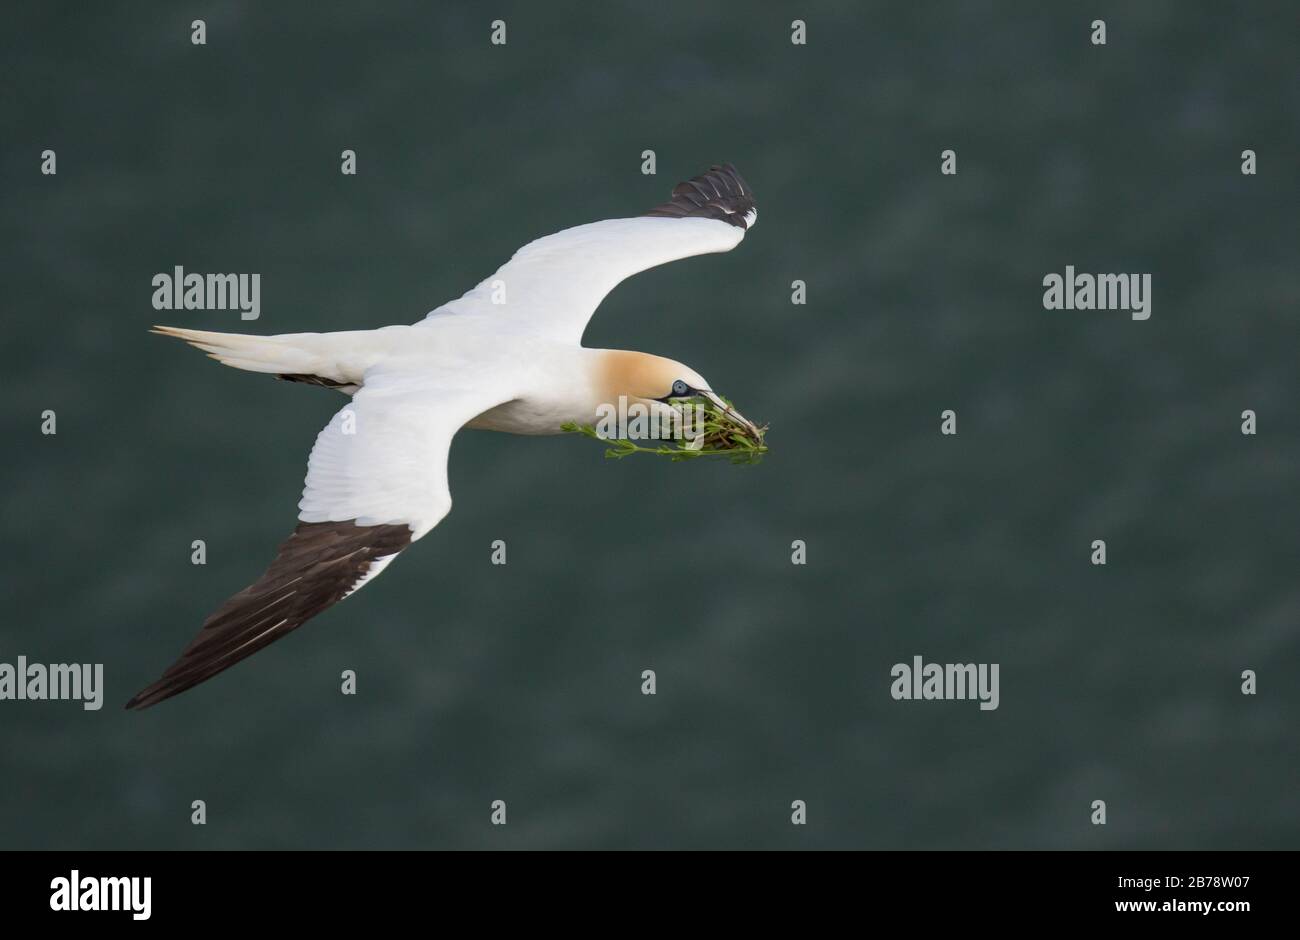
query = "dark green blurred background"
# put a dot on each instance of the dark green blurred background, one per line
(522, 682)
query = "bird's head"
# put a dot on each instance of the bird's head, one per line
(655, 382)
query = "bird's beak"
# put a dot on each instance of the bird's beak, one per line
(734, 415)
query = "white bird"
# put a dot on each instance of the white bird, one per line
(507, 356)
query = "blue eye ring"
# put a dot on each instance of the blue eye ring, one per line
(680, 389)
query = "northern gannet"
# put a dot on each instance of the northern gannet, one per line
(507, 356)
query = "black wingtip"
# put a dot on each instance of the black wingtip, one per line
(144, 698)
(153, 693)
(317, 566)
(721, 194)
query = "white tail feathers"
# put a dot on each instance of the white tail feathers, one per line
(290, 354)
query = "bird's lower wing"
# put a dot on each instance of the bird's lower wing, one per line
(376, 482)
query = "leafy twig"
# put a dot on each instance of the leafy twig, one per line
(721, 437)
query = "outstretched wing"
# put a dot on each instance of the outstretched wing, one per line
(376, 482)
(553, 285)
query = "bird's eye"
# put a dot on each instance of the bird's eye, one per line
(680, 389)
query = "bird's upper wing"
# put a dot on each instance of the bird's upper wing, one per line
(376, 482)
(553, 285)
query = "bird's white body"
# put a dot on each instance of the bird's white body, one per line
(506, 356)
(548, 382)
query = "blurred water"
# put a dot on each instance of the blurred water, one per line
(924, 293)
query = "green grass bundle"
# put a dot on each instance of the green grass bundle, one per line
(715, 432)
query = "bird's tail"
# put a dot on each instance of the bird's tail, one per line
(288, 355)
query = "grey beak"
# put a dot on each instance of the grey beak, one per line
(732, 413)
